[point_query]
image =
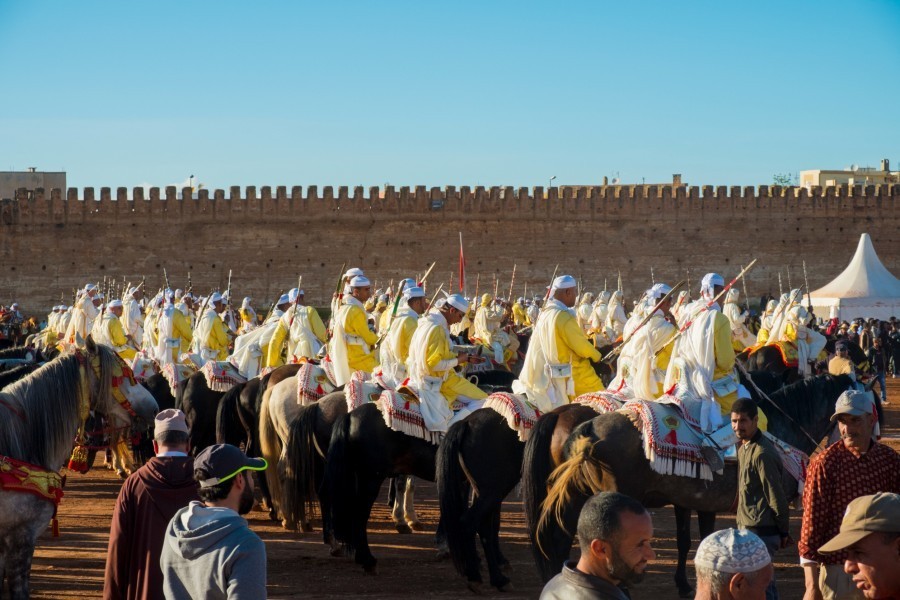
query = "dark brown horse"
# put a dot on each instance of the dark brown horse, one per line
(606, 454)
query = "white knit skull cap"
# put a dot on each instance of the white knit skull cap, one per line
(732, 551)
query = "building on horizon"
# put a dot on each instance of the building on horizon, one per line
(30, 179)
(853, 175)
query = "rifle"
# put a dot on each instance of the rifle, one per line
(806, 282)
(190, 286)
(166, 278)
(477, 279)
(690, 319)
(746, 297)
(337, 297)
(427, 273)
(512, 282)
(615, 351)
(552, 279)
(433, 298)
(393, 312)
(296, 301)
(496, 286)
(780, 289)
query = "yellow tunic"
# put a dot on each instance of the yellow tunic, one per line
(439, 350)
(274, 357)
(407, 329)
(218, 338)
(117, 337)
(725, 365)
(357, 324)
(181, 329)
(520, 317)
(572, 345)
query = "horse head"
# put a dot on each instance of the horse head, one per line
(114, 390)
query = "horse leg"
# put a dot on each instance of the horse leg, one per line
(18, 571)
(707, 522)
(368, 487)
(396, 494)
(489, 532)
(409, 508)
(683, 542)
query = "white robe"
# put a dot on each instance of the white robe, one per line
(435, 411)
(544, 380)
(393, 371)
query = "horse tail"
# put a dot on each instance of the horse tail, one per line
(537, 465)
(569, 485)
(270, 446)
(227, 419)
(453, 492)
(301, 450)
(342, 483)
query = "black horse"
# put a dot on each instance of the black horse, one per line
(607, 454)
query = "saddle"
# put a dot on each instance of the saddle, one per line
(789, 353)
(221, 375)
(519, 414)
(313, 382)
(401, 413)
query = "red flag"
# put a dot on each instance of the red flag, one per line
(462, 266)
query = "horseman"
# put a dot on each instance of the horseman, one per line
(248, 316)
(533, 311)
(740, 335)
(488, 330)
(212, 335)
(557, 365)
(430, 366)
(344, 291)
(65, 317)
(352, 345)
(83, 316)
(520, 317)
(779, 319)
(766, 321)
(132, 319)
(187, 307)
(679, 305)
(173, 332)
(702, 364)
(584, 311)
(615, 316)
(111, 333)
(597, 329)
(303, 329)
(645, 358)
(809, 342)
(394, 349)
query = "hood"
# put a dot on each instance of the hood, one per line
(168, 477)
(198, 528)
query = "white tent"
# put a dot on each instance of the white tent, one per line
(864, 289)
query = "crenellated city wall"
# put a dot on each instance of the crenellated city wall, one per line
(52, 241)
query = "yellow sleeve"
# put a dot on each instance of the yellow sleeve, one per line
(276, 345)
(724, 349)
(408, 329)
(218, 337)
(438, 350)
(116, 333)
(316, 324)
(181, 327)
(574, 337)
(358, 325)
(790, 332)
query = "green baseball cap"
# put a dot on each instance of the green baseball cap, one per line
(865, 515)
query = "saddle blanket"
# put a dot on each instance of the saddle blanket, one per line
(362, 389)
(401, 413)
(221, 375)
(672, 444)
(602, 402)
(312, 384)
(789, 353)
(519, 414)
(175, 374)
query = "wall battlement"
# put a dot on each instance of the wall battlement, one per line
(465, 203)
(52, 241)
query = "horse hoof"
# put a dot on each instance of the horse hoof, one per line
(122, 474)
(506, 587)
(371, 570)
(288, 525)
(686, 593)
(476, 587)
(442, 554)
(273, 516)
(306, 527)
(416, 525)
(338, 551)
(402, 528)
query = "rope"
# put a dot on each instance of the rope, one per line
(781, 410)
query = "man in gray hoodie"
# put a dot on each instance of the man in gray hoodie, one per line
(210, 551)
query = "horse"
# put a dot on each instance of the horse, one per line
(13, 374)
(483, 454)
(606, 454)
(42, 413)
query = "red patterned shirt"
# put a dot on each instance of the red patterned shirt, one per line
(835, 478)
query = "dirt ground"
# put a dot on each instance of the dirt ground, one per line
(299, 565)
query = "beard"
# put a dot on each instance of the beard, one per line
(246, 504)
(619, 570)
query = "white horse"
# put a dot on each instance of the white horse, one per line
(40, 416)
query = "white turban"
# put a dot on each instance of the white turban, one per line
(354, 272)
(732, 551)
(283, 299)
(114, 303)
(216, 297)
(707, 285)
(90, 286)
(413, 292)
(458, 302)
(292, 294)
(246, 303)
(563, 282)
(658, 291)
(732, 295)
(359, 281)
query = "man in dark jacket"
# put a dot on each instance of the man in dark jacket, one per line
(147, 502)
(614, 532)
(762, 503)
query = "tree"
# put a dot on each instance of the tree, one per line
(784, 179)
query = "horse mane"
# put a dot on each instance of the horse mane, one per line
(16, 373)
(47, 401)
(810, 403)
(15, 352)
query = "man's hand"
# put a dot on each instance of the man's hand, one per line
(811, 577)
(462, 357)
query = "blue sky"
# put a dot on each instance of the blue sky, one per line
(462, 93)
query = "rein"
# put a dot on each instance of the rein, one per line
(781, 410)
